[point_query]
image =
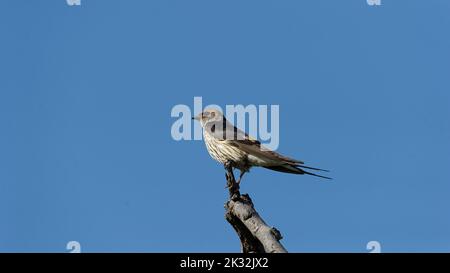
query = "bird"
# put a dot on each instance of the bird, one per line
(228, 144)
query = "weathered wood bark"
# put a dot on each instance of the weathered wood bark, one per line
(255, 235)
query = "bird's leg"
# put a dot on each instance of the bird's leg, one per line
(229, 174)
(232, 186)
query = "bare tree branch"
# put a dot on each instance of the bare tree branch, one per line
(255, 235)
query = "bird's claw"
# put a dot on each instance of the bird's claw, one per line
(235, 196)
(228, 165)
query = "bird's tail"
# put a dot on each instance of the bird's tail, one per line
(297, 169)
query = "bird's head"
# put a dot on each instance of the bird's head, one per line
(209, 115)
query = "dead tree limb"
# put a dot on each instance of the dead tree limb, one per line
(255, 235)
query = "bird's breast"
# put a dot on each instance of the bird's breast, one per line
(222, 151)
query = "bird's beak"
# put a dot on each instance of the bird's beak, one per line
(196, 117)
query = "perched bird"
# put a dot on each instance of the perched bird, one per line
(226, 143)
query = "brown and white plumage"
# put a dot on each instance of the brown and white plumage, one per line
(226, 143)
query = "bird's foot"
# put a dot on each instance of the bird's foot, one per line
(234, 191)
(235, 196)
(228, 165)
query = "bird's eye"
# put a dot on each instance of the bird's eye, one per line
(213, 114)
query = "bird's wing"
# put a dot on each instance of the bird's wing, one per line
(255, 148)
(225, 131)
(238, 138)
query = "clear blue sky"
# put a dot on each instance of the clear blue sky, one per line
(86, 152)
